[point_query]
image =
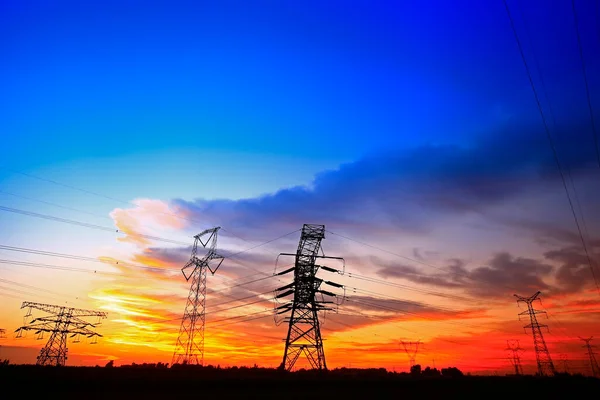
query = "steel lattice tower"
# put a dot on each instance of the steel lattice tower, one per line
(60, 322)
(411, 349)
(542, 355)
(515, 360)
(304, 334)
(591, 354)
(189, 348)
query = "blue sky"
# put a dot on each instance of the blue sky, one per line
(197, 100)
(409, 124)
(322, 83)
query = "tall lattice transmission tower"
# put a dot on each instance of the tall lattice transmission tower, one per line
(304, 334)
(515, 360)
(411, 349)
(189, 348)
(60, 322)
(592, 356)
(542, 355)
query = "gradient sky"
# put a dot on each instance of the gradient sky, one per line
(411, 126)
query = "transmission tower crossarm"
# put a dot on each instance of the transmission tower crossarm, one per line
(53, 309)
(189, 347)
(304, 334)
(61, 322)
(544, 361)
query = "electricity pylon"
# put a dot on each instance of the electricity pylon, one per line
(591, 354)
(189, 348)
(304, 334)
(411, 349)
(515, 360)
(60, 322)
(542, 355)
(565, 363)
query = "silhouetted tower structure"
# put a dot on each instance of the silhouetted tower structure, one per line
(542, 355)
(304, 334)
(2, 336)
(189, 348)
(515, 359)
(592, 356)
(60, 322)
(411, 349)
(565, 363)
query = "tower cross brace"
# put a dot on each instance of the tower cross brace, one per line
(515, 359)
(189, 348)
(304, 333)
(59, 322)
(411, 349)
(590, 353)
(545, 365)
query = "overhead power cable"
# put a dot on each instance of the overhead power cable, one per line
(554, 152)
(554, 124)
(416, 261)
(88, 225)
(585, 79)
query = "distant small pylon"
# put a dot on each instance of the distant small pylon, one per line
(411, 349)
(565, 363)
(592, 356)
(515, 360)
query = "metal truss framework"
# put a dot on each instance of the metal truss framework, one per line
(515, 360)
(304, 334)
(189, 348)
(411, 349)
(565, 363)
(590, 353)
(544, 362)
(60, 322)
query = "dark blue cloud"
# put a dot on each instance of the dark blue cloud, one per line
(413, 190)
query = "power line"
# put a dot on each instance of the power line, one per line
(407, 287)
(83, 258)
(116, 263)
(89, 192)
(415, 260)
(394, 309)
(118, 200)
(103, 228)
(553, 119)
(87, 225)
(585, 79)
(57, 267)
(554, 152)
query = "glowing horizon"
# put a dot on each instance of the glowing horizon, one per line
(411, 131)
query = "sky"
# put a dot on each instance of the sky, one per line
(445, 155)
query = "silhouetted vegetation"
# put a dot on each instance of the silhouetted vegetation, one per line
(154, 381)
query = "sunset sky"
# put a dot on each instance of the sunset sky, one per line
(409, 129)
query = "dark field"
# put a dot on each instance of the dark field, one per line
(250, 383)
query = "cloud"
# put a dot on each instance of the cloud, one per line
(574, 272)
(376, 310)
(409, 190)
(501, 278)
(146, 211)
(565, 270)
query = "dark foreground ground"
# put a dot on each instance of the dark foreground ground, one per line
(141, 383)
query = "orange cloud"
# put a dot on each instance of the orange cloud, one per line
(146, 211)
